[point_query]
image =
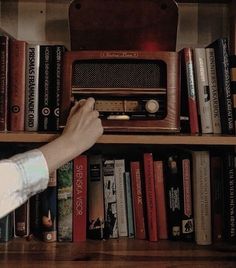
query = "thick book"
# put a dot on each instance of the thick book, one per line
(21, 220)
(188, 90)
(35, 217)
(48, 210)
(150, 197)
(224, 87)
(203, 92)
(80, 198)
(129, 205)
(202, 197)
(110, 199)
(160, 199)
(6, 228)
(96, 214)
(45, 87)
(31, 87)
(4, 68)
(64, 202)
(213, 87)
(138, 202)
(120, 195)
(16, 94)
(232, 65)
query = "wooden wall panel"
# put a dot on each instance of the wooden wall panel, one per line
(46, 21)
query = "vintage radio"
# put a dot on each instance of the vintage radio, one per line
(135, 91)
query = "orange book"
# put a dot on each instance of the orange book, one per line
(160, 200)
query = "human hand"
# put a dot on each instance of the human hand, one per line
(83, 126)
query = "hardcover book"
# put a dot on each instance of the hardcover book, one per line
(150, 197)
(138, 202)
(224, 87)
(16, 107)
(96, 213)
(21, 220)
(110, 200)
(120, 195)
(48, 210)
(203, 91)
(4, 67)
(80, 198)
(64, 199)
(6, 228)
(202, 197)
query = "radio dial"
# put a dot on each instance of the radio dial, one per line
(152, 106)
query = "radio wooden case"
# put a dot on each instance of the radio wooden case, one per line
(135, 91)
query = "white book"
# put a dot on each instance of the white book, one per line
(32, 87)
(120, 195)
(202, 197)
(203, 92)
(214, 99)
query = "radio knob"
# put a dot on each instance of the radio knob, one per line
(152, 106)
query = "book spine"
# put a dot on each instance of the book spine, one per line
(138, 206)
(120, 195)
(35, 219)
(95, 198)
(110, 200)
(80, 198)
(64, 202)
(215, 107)
(191, 87)
(160, 199)
(128, 196)
(45, 83)
(17, 85)
(203, 90)
(173, 192)
(223, 80)
(21, 220)
(48, 210)
(229, 196)
(232, 64)
(187, 207)
(56, 88)
(4, 56)
(202, 197)
(216, 171)
(6, 228)
(150, 197)
(31, 89)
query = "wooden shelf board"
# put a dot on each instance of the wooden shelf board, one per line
(127, 139)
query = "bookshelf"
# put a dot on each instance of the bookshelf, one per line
(46, 21)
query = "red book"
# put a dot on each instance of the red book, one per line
(188, 73)
(150, 197)
(80, 198)
(140, 232)
(16, 93)
(160, 200)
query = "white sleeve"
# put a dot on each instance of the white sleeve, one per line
(21, 176)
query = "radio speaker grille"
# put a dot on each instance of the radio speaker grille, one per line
(119, 74)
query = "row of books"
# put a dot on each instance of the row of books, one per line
(177, 195)
(208, 85)
(30, 85)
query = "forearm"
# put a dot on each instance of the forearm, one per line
(59, 152)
